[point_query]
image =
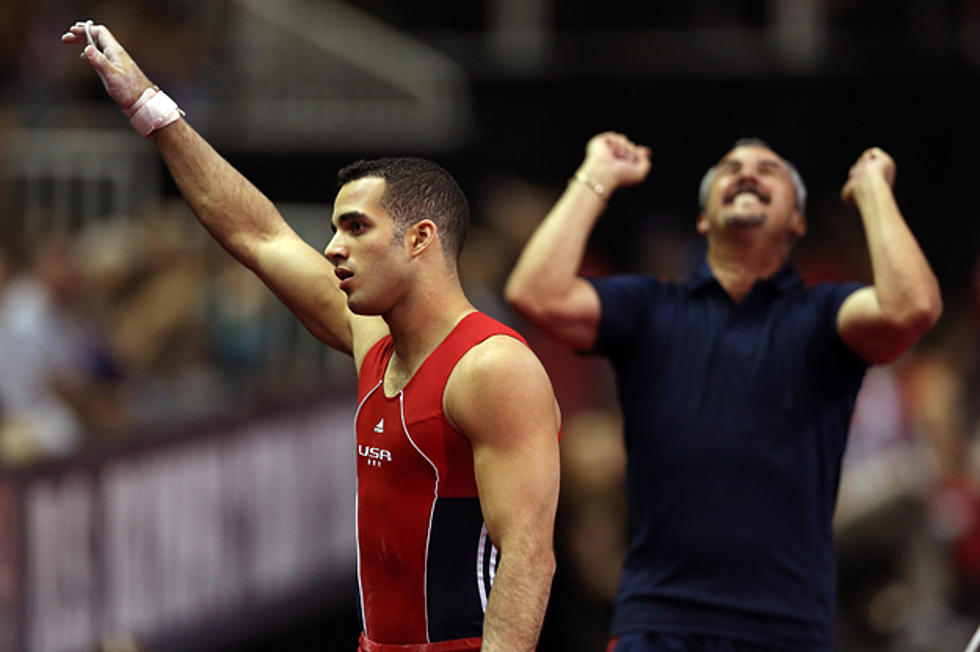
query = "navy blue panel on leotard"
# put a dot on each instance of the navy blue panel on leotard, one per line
(453, 585)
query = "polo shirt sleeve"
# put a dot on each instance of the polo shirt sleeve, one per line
(625, 302)
(831, 356)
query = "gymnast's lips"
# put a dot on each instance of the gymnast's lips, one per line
(344, 275)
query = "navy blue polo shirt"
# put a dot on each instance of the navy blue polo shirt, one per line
(735, 420)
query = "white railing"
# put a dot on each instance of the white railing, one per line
(59, 179)
(327, 75)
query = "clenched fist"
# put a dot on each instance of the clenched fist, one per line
(614, 161)
(874, 163)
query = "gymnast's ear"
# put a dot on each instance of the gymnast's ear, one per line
(420, 236)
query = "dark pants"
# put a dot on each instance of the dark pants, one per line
(682, 642)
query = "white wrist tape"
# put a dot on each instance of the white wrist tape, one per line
(153, 110)
(140, 101)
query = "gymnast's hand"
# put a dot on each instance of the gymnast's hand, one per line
(874, 164)
(120, 75)
(614, 161)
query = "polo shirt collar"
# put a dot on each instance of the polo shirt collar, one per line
(784, 280)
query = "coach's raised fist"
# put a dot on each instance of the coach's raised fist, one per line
(873, 164)
(615, 161)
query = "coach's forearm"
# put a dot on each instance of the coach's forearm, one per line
(229, 206)
(518, 600)
(905, 285)
(550, 262)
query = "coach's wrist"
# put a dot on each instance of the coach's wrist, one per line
(598, 177)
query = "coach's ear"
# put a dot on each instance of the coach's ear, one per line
(420, 237)
(702, 224)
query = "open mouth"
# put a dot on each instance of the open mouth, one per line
(744, 193)
(345, 275)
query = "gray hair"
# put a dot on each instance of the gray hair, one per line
(799, 187)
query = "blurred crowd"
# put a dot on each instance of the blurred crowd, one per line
(128, 325)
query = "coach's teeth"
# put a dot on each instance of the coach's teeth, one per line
(746, 198)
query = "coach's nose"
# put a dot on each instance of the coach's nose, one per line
(747, 174)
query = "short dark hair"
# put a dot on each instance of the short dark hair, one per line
(418, 189)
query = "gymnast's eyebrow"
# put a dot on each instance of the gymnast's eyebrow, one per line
(344, 218)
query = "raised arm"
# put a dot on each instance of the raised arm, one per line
(234, 211)
(882, 321)
(500, 398)
(545, 286)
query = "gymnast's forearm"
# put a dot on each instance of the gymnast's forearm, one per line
(230, 207)
(517, 604)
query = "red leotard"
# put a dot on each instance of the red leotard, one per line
(425, 562)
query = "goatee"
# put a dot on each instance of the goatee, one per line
(744, 221)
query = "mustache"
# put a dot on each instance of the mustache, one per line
(746, 186)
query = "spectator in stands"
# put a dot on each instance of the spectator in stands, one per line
(46, 347)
